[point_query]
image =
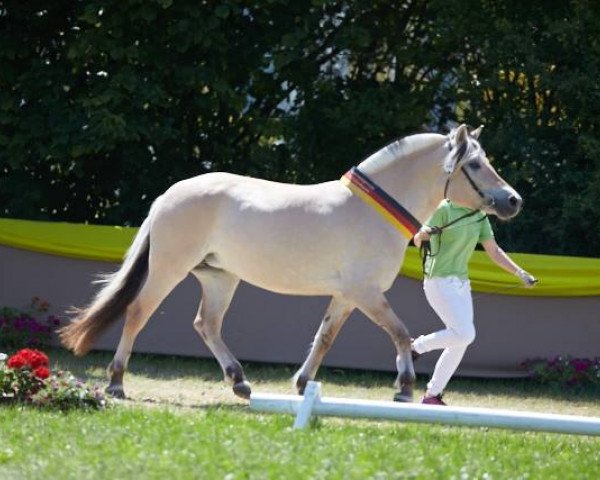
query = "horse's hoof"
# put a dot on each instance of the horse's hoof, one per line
(116, 392)
(403, 397)
(242, 389)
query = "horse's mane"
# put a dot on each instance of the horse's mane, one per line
(402, 148)
(413, 144)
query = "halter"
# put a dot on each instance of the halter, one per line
(471, 182)
(487, 201)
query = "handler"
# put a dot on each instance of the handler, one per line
(447, 287)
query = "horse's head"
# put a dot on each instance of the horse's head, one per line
(472, 181)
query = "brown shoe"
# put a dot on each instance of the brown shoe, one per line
(433, 400)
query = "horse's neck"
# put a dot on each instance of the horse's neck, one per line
(411, 172)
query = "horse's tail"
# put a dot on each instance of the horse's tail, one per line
(119, 290)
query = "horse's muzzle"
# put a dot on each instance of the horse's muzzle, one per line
(506, 203)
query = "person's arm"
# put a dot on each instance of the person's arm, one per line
(500, 258)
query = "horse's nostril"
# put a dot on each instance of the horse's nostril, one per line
(514, 201)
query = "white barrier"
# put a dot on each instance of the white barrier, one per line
(313, 404)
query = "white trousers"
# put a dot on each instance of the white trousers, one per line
(450, 298)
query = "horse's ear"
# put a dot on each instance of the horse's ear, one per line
(475, 133)
(461, 134)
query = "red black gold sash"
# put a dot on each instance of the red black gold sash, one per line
(370, 193)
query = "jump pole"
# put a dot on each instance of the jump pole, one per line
(304, 407)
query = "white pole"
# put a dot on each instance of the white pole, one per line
(312, 393)
(466, 416)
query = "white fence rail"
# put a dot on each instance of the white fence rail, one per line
(304, 407)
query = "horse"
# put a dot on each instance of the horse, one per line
(338, 238)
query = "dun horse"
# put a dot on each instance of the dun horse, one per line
(344, 239)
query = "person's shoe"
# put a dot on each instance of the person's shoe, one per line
(433, 400)
(413, 352)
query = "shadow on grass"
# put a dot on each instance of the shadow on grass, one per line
(208, 407)
(525, 387)
(167, 367)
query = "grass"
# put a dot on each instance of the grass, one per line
(184, 422)
(189, 382)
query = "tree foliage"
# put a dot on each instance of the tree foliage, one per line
(104, 104)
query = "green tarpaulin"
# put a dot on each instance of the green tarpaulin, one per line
(559, 276)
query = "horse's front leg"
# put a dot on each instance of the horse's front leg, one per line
(338, 311)
(375, 306)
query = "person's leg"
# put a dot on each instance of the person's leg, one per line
(451, 300)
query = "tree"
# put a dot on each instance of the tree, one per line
(528, 71)
(105, 104)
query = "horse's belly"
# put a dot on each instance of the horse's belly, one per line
(313, 259)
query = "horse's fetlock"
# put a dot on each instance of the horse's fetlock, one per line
(115, 391)
(115, 371)
(407, 379)
(301, 382)
(235, 373)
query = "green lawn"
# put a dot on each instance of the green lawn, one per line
(183, 422)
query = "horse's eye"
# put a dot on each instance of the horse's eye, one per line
(474, 165)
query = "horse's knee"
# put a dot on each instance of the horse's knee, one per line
(199, 326)
(206, 328)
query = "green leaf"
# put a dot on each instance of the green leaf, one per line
(222, 11)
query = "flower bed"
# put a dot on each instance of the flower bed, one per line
(565, 371)
(25, 328)
(26, 378)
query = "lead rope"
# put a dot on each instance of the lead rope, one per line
(425, 248)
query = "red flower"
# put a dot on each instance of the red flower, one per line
(34, 358)
(28, 358)
(38, 359)
(41, 373)
(16, 361)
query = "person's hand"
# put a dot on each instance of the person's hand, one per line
(422, 236)
(527, 278)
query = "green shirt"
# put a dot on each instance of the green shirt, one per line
(451, 250)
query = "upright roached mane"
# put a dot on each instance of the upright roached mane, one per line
(402, 148)
(224, 228)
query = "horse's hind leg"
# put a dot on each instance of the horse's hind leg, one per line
(337, 313)
(158, 285)
(375, 306)
(218, 287)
